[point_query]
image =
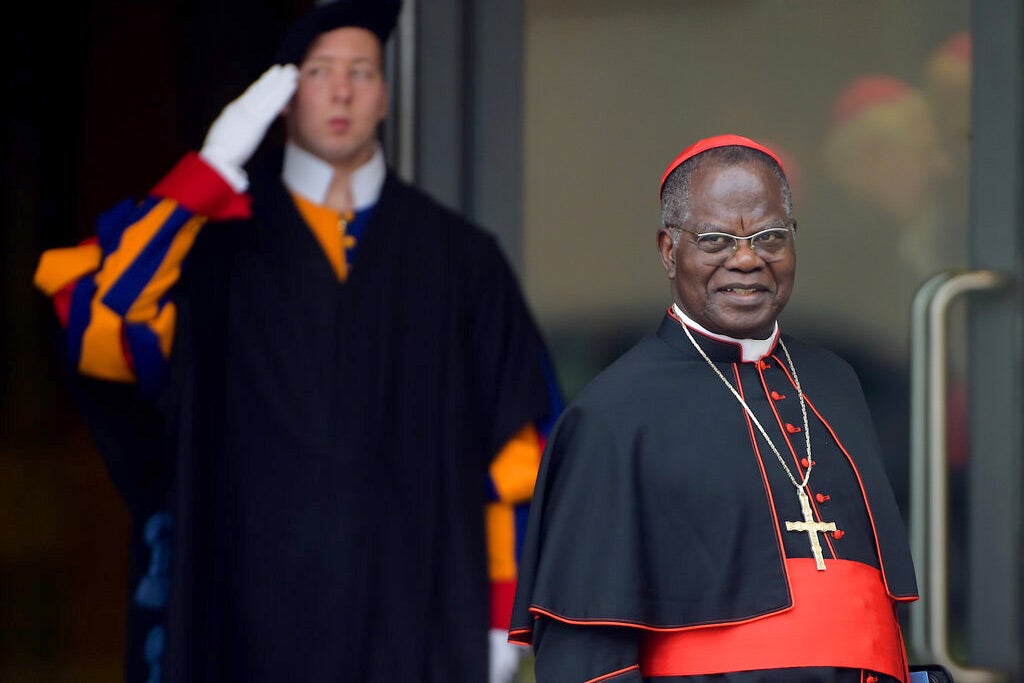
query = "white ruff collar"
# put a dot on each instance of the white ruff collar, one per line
(751, 350)
(310, 176)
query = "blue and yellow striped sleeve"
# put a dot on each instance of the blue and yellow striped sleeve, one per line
(513, 474)
(112, 292)
(512, 477)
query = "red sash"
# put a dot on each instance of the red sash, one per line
(841, 617)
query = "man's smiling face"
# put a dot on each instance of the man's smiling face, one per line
(737, 294)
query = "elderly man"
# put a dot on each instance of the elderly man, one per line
(320, 398)
(712, 506)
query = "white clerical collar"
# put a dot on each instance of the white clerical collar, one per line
(310, 176)
(751, 350)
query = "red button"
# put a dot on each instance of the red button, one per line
(763, 365)
(838, 533)
(792, 429)
(777, 396)
(821, 497)
(871, 679)
(806, 463)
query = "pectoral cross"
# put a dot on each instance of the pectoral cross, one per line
(812, 528)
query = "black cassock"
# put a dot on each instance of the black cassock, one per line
(323, 447)
(654, 509)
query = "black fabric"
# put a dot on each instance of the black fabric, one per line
(568, 653)
(377, 16)
(329, 445)
(651, 506)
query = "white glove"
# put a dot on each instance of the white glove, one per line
(240, 128)
(504, 657)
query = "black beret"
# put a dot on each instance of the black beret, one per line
(377, 16)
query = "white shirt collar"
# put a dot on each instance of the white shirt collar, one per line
(310, 176)
(751, 350)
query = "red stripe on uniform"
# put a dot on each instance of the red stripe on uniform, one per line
(200, 189)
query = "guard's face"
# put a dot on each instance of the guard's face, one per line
(341, 98)
(738, 293)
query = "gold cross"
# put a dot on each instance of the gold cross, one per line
(812, 528)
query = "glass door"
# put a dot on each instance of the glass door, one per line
(966, 513)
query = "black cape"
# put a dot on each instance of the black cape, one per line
(651, 508)
(325, 446)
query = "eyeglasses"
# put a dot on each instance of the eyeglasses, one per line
(770, 244)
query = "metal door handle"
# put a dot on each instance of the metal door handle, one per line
(929, 511)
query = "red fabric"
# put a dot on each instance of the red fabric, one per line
(62, 298)
(199, 188)
(865, 92)
(62, 303)
(502, 595)
(711, 143)
(841, 617)
(958, 46)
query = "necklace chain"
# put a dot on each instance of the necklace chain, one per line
(802, 485)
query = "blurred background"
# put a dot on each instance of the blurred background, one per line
(550, 122)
